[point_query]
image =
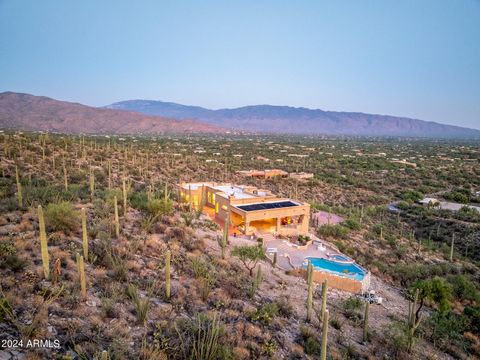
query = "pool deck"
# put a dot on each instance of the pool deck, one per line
(289, 256)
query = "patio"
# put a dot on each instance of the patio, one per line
(290, 256)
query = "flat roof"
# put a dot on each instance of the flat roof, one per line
(236, 191)
(267, 205)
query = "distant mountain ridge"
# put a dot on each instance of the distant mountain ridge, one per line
(39, 113)
(293, 120)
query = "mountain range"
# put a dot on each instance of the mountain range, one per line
(298, 120)
(148, 117)
(38, 113)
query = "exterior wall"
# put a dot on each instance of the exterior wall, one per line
(337, 282)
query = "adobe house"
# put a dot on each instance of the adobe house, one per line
(265, 174)
(250, 210)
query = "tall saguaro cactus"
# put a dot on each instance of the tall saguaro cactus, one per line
(65, 176)
(43, 243)
(452, 246)
(167, 274)
(92, 182)
(109, 172)
(323, 352)
(324, 300)
(117, 224)
(19, 187)
(81, 275)
(84, 233)
(310, 291)
(124, 190)
(365, 322)
(414, 320)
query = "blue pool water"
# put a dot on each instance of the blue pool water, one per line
(341, 257)
(352, 271)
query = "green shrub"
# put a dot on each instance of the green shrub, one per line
(412, 195)
(447, 327)
(61, 217)
(336, 231)
(157, 207)
(352, 224)
(265, 314)
(464, 288)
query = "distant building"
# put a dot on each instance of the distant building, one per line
(301, 175)
(265, 174)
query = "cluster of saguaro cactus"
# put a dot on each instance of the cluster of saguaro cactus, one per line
(84, 233)
(413, 321)
(167, 274)
(310, 291)
(43, 243)
(117, 224)
(19, 188)
(81, 275)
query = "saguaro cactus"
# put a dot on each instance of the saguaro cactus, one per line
(413, 321)
(226, 225)
(84, 233)
(323, 353)
(324, 300)
(310, 291)
(43, 243)
(19, 188)
(124, 189)
(81, 275)
(167, 274)
(365, 322)
(92, 182)
(117, 224)
(109, 171)
(65, 176)
(223, 245)
(452, 246)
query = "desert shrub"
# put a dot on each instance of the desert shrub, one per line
(464, 288)
(61, 217)
(447, 327)
(200, 338)
(412, 195)
(137, 200)
(396, 339)
(265, 314)
(157, 207)
(473, 314)
(352, 224)
(309, 341)
(9, 258)
(336, 231)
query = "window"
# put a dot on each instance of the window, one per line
(224, 207)
(216, 207)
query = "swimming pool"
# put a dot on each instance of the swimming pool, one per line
(341, 258)
(349, 270)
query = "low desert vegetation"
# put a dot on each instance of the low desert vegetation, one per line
(115, 266)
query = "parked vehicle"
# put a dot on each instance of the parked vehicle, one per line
(371, 297)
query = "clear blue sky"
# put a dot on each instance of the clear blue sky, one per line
(417, 58)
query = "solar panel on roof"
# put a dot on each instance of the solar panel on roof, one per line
(266, 206)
